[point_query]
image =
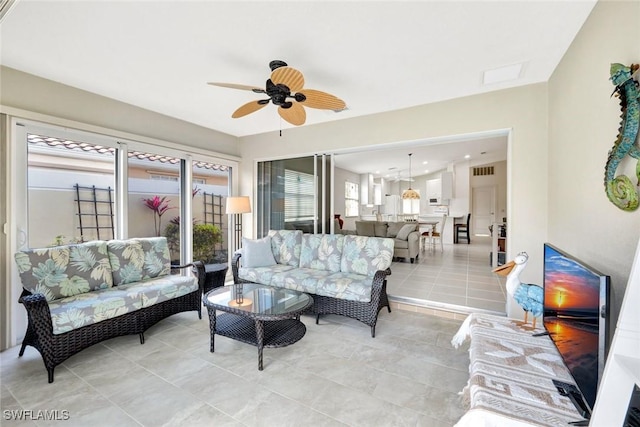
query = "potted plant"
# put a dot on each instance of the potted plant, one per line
(205, 239)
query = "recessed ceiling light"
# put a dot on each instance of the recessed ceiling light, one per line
(502, 74)
(425, 162)
(426, 171)
(377, 172)
(467, 156)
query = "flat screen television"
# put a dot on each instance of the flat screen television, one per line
(576, 301)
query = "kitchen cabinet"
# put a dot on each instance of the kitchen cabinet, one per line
(440, 190)
(366, 189)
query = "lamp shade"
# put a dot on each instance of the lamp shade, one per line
(238, 205)
(410, 194)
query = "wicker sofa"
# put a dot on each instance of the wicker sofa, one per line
(79, 295)
(345, 275)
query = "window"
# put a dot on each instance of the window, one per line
(299, 199)
(351, 199)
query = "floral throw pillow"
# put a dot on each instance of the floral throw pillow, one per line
(135, 260)
(366, 255)
(64, 271)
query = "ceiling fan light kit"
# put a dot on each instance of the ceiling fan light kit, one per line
(409, 193)
(285, 89)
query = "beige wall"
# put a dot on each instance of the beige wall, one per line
(561, 132)
(524, 110)
(583, 125)
(38, 95)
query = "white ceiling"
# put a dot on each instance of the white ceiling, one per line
(377, 56)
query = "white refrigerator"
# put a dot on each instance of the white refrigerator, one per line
(392, 207)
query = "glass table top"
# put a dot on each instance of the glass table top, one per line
(257, 299)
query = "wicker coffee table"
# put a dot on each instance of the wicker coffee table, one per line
(257, 314)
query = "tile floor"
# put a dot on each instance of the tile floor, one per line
(459, 278)
(409, 375)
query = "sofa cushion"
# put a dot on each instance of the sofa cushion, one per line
(366, 255)
(347, 286)
(404, 232)
(64, 271)
(91, 307)
(393, 228)
(257, 253)
(321, 251)
(365, 228)
(300, 279)
(160, 289)
(262, 275)
(139, 259)
(286, 246)
(380, 229)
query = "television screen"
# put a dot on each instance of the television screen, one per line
(575, 316)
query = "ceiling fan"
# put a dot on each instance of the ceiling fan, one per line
(399, 178)
(285, 89)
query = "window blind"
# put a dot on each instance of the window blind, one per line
(299, 200)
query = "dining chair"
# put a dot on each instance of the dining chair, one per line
(462, 229)
(435, 234)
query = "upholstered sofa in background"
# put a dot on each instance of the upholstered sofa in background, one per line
(405, 235)
(78, 295)
(345, 275)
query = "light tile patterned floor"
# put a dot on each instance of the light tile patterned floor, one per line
(459, 276)
(409, 375)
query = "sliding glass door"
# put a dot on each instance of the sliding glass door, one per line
(295, 194)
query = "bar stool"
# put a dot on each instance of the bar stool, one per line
(462, 229)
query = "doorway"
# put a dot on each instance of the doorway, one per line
(483, 208)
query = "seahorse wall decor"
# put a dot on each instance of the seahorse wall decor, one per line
(620, 190)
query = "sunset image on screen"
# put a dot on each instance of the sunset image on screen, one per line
(568, 286)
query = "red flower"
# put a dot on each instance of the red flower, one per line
(159, 206)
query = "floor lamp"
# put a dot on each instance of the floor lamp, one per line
(237, 206)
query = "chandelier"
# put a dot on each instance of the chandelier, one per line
(409, 193)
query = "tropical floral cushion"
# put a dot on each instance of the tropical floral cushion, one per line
(160, 289)
(321, 251)
(261, 275)
(64, 271)
(140, 259)
(366, 255)
(347, 286)
(286, 245)
(91, 307)
(300, 279)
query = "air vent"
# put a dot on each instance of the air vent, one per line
(483, 171)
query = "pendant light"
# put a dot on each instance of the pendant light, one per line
(410, 194)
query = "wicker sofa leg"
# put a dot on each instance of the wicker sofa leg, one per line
(141, 337)
(318, 319)
(373, 331)
(50, 374)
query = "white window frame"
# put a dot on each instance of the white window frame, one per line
(351, 201)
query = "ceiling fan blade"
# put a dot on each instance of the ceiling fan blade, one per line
(238, 86)
(322, 100)
(289, 77)
(294, 114)
(248, 108)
